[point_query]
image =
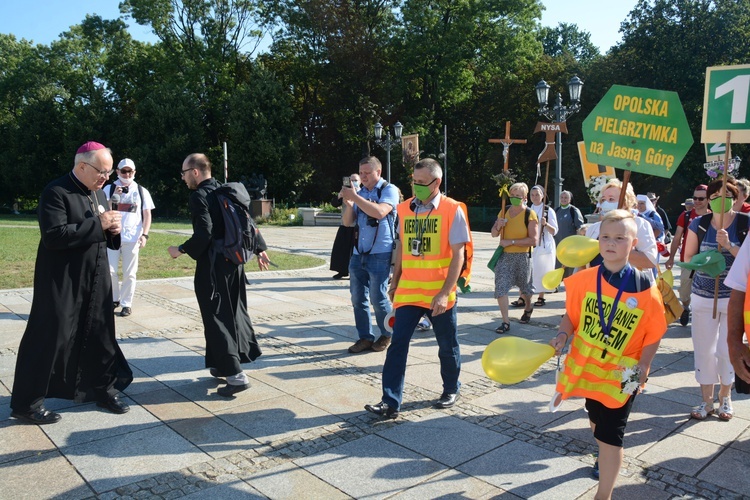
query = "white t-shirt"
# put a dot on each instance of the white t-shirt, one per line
(737, 275)
(132, 222)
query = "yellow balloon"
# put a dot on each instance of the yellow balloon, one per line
(510, 360)
(577, 250)
(668, 277)
(552, 279)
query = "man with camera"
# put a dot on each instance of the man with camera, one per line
(374, 210)
(135, 204)
(433, 231)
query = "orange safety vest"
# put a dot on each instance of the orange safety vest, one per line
(423, 276)
(464, 279)
(593, 368)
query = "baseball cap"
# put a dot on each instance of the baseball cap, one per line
(688, 201)
(711, 263)
(126, 162)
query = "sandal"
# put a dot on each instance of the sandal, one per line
(701, 413)
(526, 316)
(519, 303)
(540, 302)
(726, 412)
(503, 328)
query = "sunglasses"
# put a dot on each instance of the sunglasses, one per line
(699, 198)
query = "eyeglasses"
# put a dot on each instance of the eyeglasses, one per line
(182, 172)
(699, 198)
(426, 185)
(126, 172)
(102, 173)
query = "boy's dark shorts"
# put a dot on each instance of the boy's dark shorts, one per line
(610, 422)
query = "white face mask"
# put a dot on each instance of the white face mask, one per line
(126, 180)
(608, 206)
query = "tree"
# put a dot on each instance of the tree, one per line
(209, 45)
(667, 45)
(567, 39)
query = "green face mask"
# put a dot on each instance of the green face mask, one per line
(515, 201)
(715, 205)
(423, 191)
(564, 206)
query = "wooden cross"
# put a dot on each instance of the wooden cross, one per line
(507, 142)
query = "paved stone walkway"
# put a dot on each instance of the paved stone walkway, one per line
(301, 431)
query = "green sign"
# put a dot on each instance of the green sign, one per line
(637, 129)
(716, 151)
(725, 104)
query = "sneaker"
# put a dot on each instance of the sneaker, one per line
(595, 468)
(685, 317)
(381, 344)
(115, 304)
(361, 345)
(126, 311)
(424, 324)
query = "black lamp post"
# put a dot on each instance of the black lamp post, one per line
(559, 113)
(388, 143)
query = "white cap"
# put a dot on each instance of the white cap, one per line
(126, 162)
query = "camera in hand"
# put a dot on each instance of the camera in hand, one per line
(347, 182)
(372, 222)
(125, 189)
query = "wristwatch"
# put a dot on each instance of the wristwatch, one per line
(732, 244)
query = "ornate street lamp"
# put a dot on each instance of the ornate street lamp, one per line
(559, 113)
(388, 143)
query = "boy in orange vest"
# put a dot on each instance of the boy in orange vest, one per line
(616, 319)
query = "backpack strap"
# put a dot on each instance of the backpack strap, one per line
(703, 227)
(143, 201)
(526, 216)
(742, 226)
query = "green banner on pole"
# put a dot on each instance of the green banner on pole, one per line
(637, 129)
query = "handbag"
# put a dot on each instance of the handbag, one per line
(495, 256)
(672, 306)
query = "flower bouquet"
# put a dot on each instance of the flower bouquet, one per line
(631, 380)
(596, 184)
(715, 169)
(504, 180)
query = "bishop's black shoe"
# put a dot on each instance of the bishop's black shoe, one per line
(114, 404)
(41, 416)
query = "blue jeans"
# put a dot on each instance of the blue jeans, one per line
(449, 352)
(368, 282)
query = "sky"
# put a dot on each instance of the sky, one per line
(42, 21)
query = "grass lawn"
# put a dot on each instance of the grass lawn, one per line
(18, 248)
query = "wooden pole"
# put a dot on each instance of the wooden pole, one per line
(727, 154)
(625, 182)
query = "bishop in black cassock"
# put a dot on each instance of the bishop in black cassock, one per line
(69, 349)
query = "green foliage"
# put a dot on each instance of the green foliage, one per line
(301, 115)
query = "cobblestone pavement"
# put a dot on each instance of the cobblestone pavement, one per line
(301, 430)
